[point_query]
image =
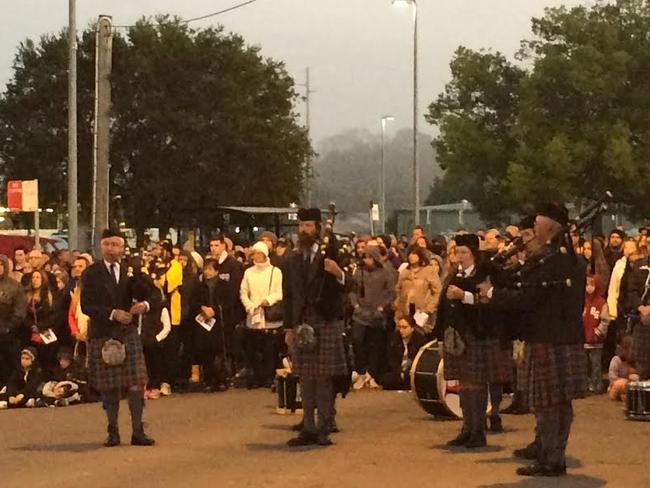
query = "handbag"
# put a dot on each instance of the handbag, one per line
(274, 313)
(113, 352)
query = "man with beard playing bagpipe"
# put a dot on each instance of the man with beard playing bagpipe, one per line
(550, 292)
(470, 342)
(313, 288)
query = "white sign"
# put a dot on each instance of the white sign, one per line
(375, 212)
(30, 195)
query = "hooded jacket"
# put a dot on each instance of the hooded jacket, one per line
(13, 305)
(595, 316)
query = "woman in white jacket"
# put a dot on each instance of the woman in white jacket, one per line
(261, 288)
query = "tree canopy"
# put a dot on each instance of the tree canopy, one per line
(567, 122)
(199, 119)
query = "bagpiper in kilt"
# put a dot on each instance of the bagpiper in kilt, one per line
(480, 359)
(637, 305)
(552, 297)
(113, 296)
(313, 287)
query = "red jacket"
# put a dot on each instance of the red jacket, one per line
(591, 314)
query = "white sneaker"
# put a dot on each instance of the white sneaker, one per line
(3, 405)
(355, 376)
(165, 389)
(372, 383)
(360, 381)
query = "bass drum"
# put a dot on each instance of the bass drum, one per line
(433, 393)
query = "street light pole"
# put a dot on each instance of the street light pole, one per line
(73, 233)
(382, 183)
(416, 167)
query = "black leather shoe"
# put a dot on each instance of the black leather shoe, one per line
(112, 440)
(538, 469)
(528, 452)
(324, 440)
(496, 425)
(460, 440)
(304, 439)
(141, 440)
(476, 440)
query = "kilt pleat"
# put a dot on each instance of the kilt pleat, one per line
(556, 373)
(484, 361)
(328, 356)
(130, 374)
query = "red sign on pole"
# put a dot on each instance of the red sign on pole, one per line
(15, 195)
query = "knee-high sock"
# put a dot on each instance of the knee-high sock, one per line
(112, 404)
(136, 406)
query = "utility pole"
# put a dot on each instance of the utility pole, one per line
(308, 92)
(73, 230)
(103, 65)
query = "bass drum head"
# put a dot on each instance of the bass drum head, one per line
(433, 393)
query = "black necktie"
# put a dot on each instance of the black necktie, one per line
(114, 273)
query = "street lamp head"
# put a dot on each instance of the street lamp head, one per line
(388, 118)
(402, 3)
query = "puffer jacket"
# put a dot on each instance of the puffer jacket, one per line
(13, 305)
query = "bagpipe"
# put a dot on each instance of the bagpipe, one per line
(514, 274)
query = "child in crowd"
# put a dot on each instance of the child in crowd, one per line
(24, 383)
(68, 384)
(155, 327)
(595, 319)
(620, 371)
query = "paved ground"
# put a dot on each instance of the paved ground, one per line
(235, 440)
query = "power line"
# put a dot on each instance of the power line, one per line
(206, 16)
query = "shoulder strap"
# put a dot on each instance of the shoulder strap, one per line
(271, 280)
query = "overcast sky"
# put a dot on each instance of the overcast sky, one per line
(359, 51)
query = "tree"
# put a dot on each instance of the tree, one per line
(347, 171)
(199, 119)
(571, 125)
(475, 115)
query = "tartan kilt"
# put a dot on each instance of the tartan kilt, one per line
(131, 373)
(327, 359)
(640, 350)
(556, 373)
(484, 361)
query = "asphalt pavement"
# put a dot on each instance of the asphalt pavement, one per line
(235, 439)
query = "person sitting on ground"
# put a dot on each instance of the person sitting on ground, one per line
(620, 370)
(403, 345)
(68, 383)
(24, 383)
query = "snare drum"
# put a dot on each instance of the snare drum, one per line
(637, 400)
(288, 389)
(433, 393)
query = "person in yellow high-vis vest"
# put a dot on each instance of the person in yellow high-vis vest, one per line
(172, 282)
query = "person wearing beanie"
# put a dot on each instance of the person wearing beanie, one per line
(552, 301)
(614, 249)
(24, 382)
(371, 295)
(261, 289)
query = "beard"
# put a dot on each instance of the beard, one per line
(306, 240)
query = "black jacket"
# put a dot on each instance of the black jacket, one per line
(396, 350)
(553, 312)
(226, 292)
(101, 295)
(26, 383)
(12, 304)
(307, 285)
